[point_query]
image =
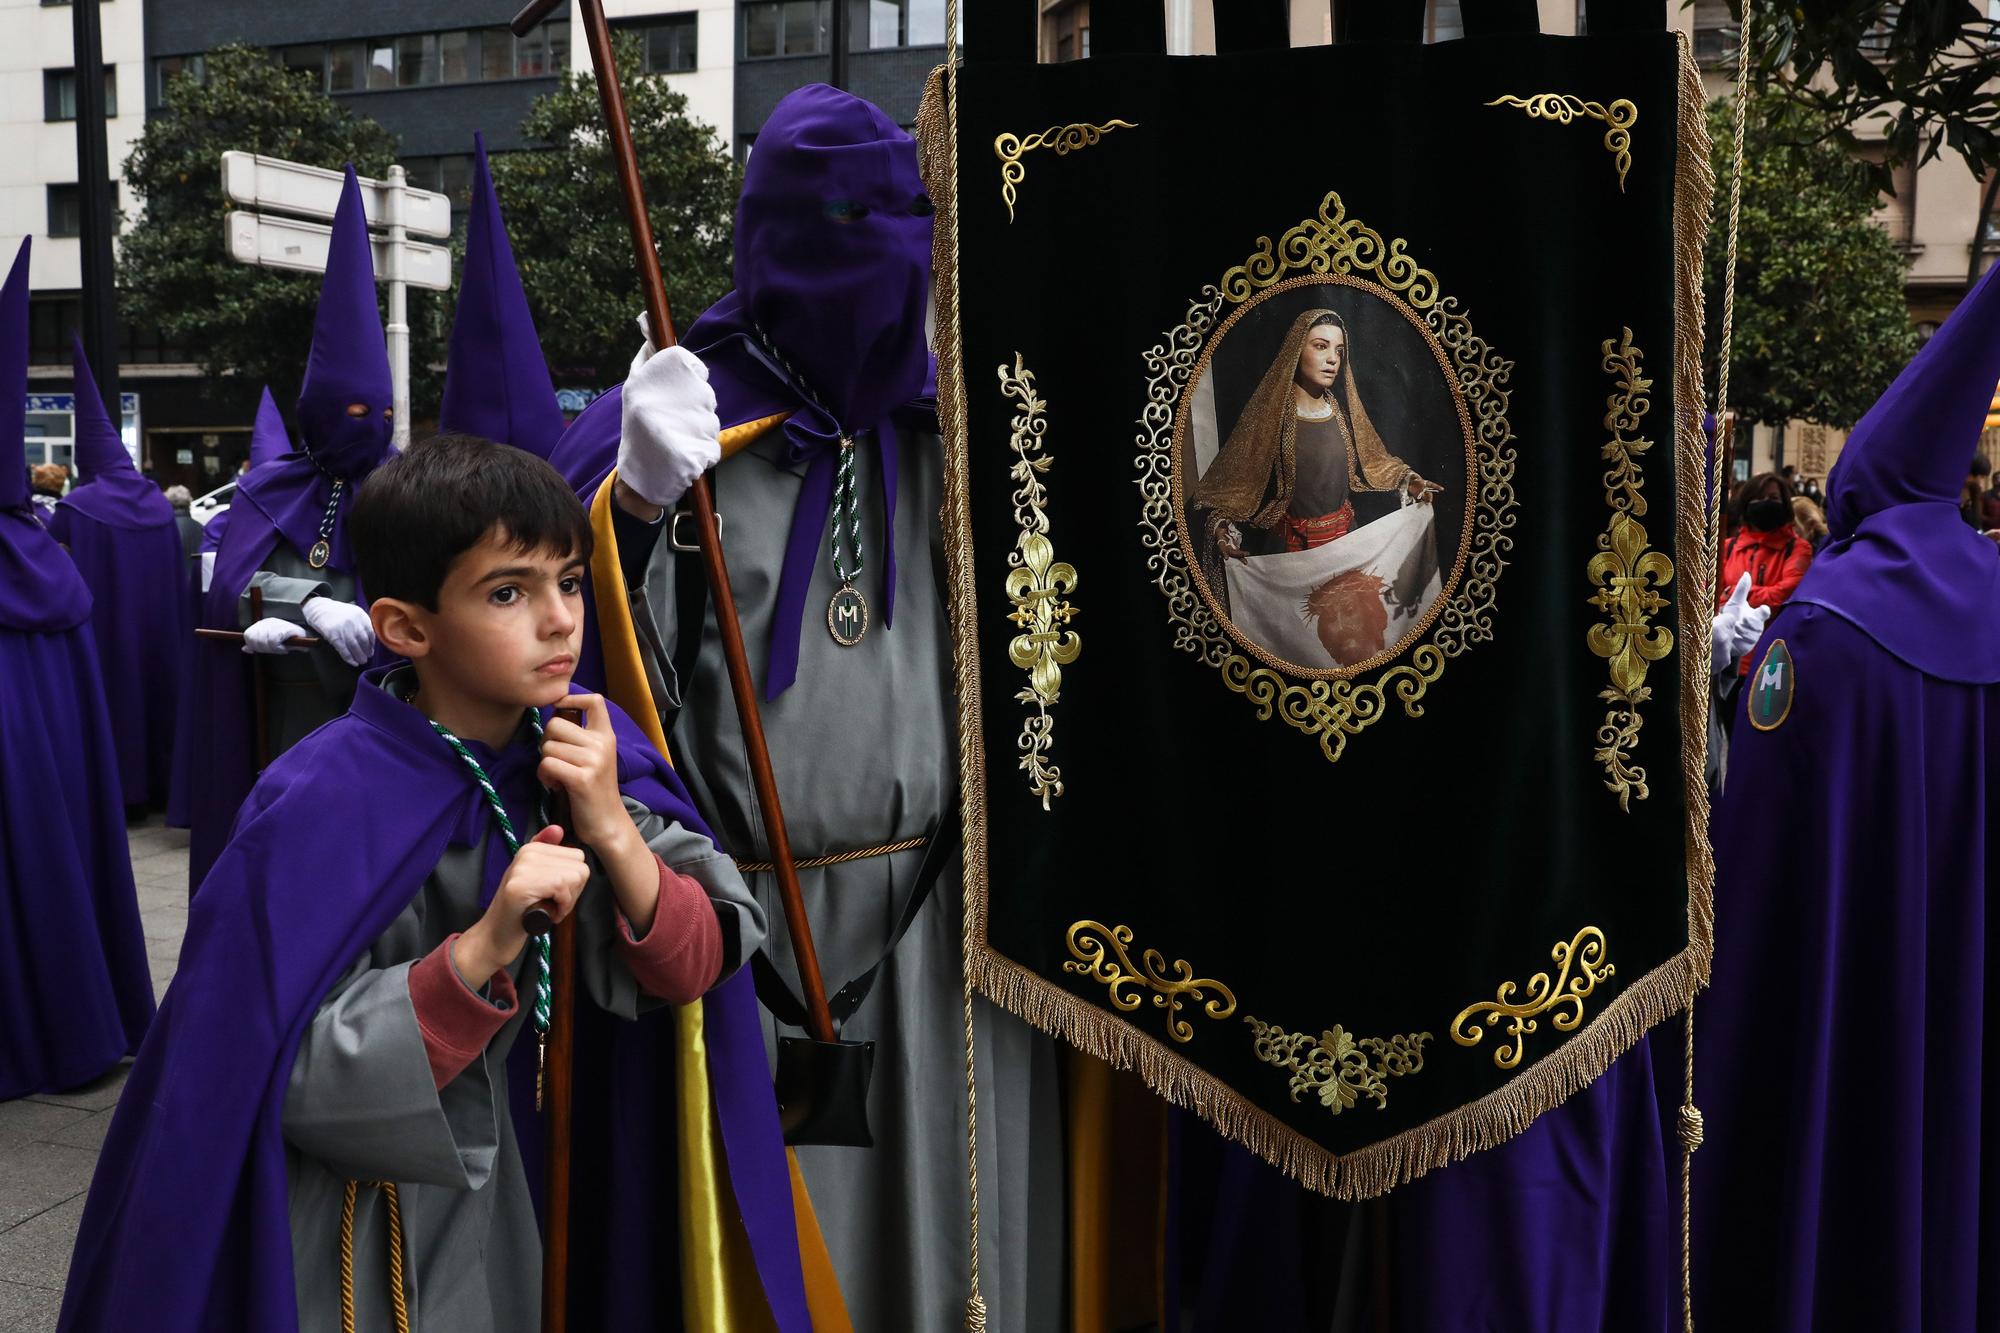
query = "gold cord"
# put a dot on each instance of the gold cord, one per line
(1691, 1126)
(953, 403)
(398, 1299)
(836, 858)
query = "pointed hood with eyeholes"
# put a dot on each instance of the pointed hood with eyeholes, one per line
(40, 590)
(343, 417)
(109, 489)
(345, 399)
(496, 381)
(1903, 565)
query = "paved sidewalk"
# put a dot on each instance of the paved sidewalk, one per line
(49, 1145)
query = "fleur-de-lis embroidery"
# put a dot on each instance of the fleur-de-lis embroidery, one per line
(1627, 575)
(1038, 585)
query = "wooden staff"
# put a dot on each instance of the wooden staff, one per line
(626, 159)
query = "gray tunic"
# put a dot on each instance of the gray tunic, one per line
(307, 688)
(361, 1105)
(1321, 486)
(865, 752)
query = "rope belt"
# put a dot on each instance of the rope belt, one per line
(397, 1301)
(837, 858)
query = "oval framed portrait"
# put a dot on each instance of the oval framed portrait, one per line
(1324, 476)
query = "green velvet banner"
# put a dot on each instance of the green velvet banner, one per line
(1332, 574)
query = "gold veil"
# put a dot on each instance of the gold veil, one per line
(1263, 445)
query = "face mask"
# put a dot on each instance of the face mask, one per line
(1767, 515)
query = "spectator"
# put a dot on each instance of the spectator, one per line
(1767, 547)
(182, 499)
(1810, 522)
(1972, 500)
(48, 481)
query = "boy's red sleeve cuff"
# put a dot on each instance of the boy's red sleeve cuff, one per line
(456, 1021)
(681, 956)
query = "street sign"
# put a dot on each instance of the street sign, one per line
(275, 242)
(256, 181)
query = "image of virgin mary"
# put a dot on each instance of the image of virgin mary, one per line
(1283, 486)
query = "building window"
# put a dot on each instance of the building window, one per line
(893, 23)
(1715, 34)
(1066, 32)
(66, 209)
(458, 56)
(167, 69)
(59, 93)
(669, 42)
(450, 175)
(543, 52)
(1443, 23)
(784, 28)
(416, 60)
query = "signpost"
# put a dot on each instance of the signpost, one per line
(271, 239)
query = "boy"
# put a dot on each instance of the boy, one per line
(356, 973)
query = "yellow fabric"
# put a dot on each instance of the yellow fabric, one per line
(735, 437)
(720, 1288)
(1117, 1207)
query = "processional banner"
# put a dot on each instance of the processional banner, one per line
(1331, 572)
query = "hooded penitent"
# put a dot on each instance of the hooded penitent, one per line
(74, 980)
(269, 440)
(496, 382)
(826, 324)
(297, 501)
(1854, 877)
(121, 534)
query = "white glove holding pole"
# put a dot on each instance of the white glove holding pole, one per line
(670, 434)
(271, 635)
(343, 625)
(1738, 626)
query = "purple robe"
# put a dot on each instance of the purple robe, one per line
(121, 534)
(74, 981)
(195, 1152)
(1845, 1182)
(287, 501)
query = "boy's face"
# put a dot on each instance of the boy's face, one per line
(508, 625)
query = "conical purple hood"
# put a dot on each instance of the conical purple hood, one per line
(268, 438)
(110, 489)
(496, 381)
(1915, 444)
(14, 383)
(1903, 566)
(349, 365)
(40, 590)
(99, 449)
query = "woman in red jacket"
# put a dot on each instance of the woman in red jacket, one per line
(1767, 547)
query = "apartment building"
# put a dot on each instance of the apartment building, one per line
(39, 196)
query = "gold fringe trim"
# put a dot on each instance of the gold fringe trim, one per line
(1500, 1115)
(1694, 541)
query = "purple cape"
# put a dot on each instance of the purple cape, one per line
(195, 1151)
(286, 500)
(74, 981)
(496, 381)
(1568, 1226)
(833, 243)
(122, 537)
(1845, 1181)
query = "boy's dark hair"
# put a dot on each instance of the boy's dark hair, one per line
(426, 507)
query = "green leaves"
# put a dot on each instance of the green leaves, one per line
(566, 218)
(173, 273)
(1822, 325)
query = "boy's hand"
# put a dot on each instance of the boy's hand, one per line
(582, 762)
(545, 874)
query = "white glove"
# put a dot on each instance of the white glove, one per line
(670, 434)
(1738, 626)
(343, 625)
(271, 635)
